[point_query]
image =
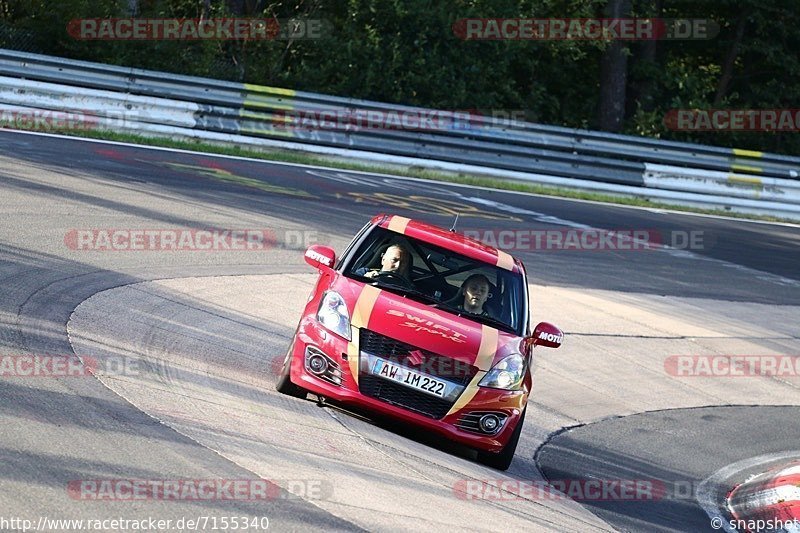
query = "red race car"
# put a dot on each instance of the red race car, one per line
(424, 325)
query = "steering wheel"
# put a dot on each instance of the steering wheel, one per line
(395, 278)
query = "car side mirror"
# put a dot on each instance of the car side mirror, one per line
(546, 334)
(320, 257)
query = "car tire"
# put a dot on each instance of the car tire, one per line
(285, 385)
(502, 460)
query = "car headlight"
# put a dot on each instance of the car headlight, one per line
(506, 374)
(333, 314)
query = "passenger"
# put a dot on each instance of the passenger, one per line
(476, 291)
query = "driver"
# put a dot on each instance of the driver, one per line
(394, 260)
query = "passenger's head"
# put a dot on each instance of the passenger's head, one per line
(476, 292)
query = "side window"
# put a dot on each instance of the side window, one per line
(417, 265)
(372, 248)
(357, 239)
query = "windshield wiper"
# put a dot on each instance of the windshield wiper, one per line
(500, 324)
(408, 291)
(490, 321)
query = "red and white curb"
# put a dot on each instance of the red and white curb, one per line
(772, 497)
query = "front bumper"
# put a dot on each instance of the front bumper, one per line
(457, 423)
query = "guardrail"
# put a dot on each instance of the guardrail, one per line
(156, 103)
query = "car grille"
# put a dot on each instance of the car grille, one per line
(396, 351)
(401, 396)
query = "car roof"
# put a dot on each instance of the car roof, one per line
(449, 240)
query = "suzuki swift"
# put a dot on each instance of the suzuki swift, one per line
(424, 325)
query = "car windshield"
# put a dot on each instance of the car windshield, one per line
(447, 280)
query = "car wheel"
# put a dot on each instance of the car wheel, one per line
(285, 385)
(502, 460)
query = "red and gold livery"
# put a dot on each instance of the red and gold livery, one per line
(405, 341)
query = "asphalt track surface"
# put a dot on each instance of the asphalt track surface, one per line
(212, 325)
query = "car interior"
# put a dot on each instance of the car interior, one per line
(439, 274)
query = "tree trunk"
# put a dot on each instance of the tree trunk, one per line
(614, 74)
(649, 59)
(730, 60)
(237, 7)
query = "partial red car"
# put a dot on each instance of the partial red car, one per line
(409, 343)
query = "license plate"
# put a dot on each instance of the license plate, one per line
(409, 378)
